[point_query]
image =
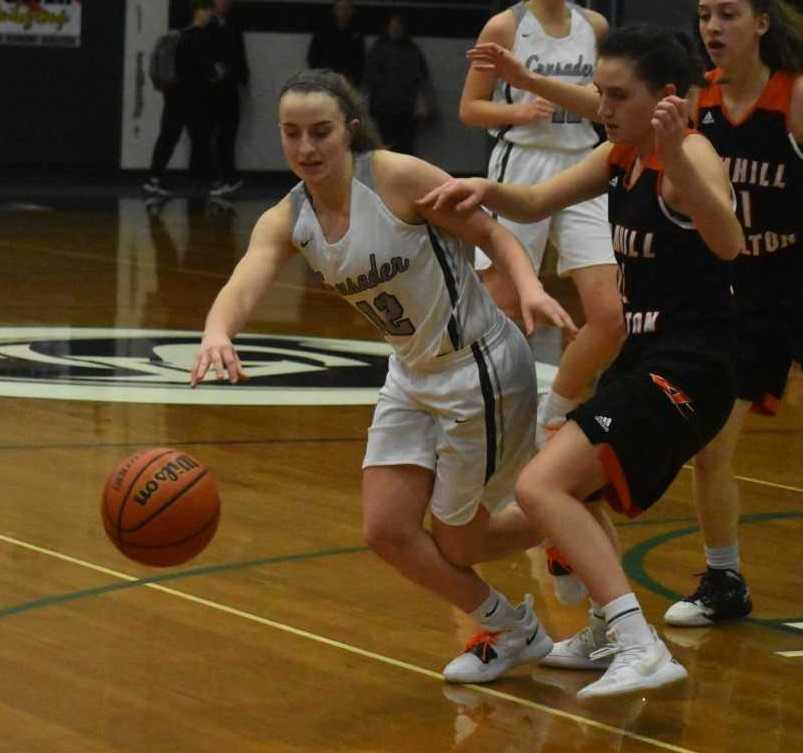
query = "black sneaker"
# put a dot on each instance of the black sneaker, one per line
(721, 595)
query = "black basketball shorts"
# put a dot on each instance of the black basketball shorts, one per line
(766, 349)
(649, 418)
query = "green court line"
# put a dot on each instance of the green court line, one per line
(633, 562)
(47, 601)
(184, 443)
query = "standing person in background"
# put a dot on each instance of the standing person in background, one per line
(187, 104)
(338, 45)
(396, 76)
(534, 141)
(752, 111)
(232, 69)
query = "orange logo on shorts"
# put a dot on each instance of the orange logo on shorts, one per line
(679, 398)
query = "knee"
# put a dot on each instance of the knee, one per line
(385, 539)
(531, 497)
(607, 317)
(458, 552)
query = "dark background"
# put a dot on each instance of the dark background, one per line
(63, 106)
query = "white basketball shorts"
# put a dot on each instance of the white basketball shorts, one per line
(471, 421)
(580, 233)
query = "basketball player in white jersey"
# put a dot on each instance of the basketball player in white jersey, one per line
(454, 421)
(535, 140)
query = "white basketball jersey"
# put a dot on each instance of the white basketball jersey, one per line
(413, 282)
(573, 59)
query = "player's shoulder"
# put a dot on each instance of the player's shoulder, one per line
(277, 220)
(403, 173)
(500, 28)
(598, 23)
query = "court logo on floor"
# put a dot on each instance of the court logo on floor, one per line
(153, 366)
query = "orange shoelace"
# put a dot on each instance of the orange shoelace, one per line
(554, 554)
(485, 639)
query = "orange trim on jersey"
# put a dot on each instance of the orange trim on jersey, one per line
(766, 405)
(776, 96)
(618, 493)
(624, 156)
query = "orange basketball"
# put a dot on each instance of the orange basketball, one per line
(160, 507)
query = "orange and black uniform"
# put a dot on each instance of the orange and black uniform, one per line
(670, 390)
(765, 165)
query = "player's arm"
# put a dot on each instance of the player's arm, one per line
(270, 246)
(796, 113)
(401, 179)
(492, 58)
(696, 182)
(583, 181)
(476, 106)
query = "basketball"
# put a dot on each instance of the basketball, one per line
(160, 507)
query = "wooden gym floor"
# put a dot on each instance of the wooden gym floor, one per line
(286, 634)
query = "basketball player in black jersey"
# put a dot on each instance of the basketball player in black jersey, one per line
(752, 111)
(670, 391)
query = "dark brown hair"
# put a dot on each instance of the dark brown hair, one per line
(365, 136)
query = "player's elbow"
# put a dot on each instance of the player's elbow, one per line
(468, 114)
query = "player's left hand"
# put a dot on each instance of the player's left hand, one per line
(537, 304)
(670, 121)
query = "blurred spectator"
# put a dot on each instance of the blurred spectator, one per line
(398, 85)
(338, 45)
(232, 69)
(187, 104)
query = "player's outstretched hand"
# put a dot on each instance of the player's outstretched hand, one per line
(490, 57)
(539, 305)
(217, 353)
(461, 194)
(670, 121)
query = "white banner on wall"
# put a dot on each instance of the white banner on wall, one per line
(49, 23)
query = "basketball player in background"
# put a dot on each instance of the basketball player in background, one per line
(534, 141)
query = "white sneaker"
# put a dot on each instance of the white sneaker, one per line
(634, 668)
(490, 654)
(575, 652)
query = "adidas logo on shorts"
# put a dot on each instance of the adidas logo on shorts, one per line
(604, 422)
(708, 119)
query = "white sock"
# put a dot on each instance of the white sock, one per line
(554, 406)
(723, 557)
(495, 611)
(597, 610)
(624, 615)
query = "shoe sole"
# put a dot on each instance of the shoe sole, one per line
(572, 662)
(670, 674)
(700, 620)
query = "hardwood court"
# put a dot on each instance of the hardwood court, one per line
(286, 634)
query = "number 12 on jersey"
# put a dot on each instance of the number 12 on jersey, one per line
(387, 315)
